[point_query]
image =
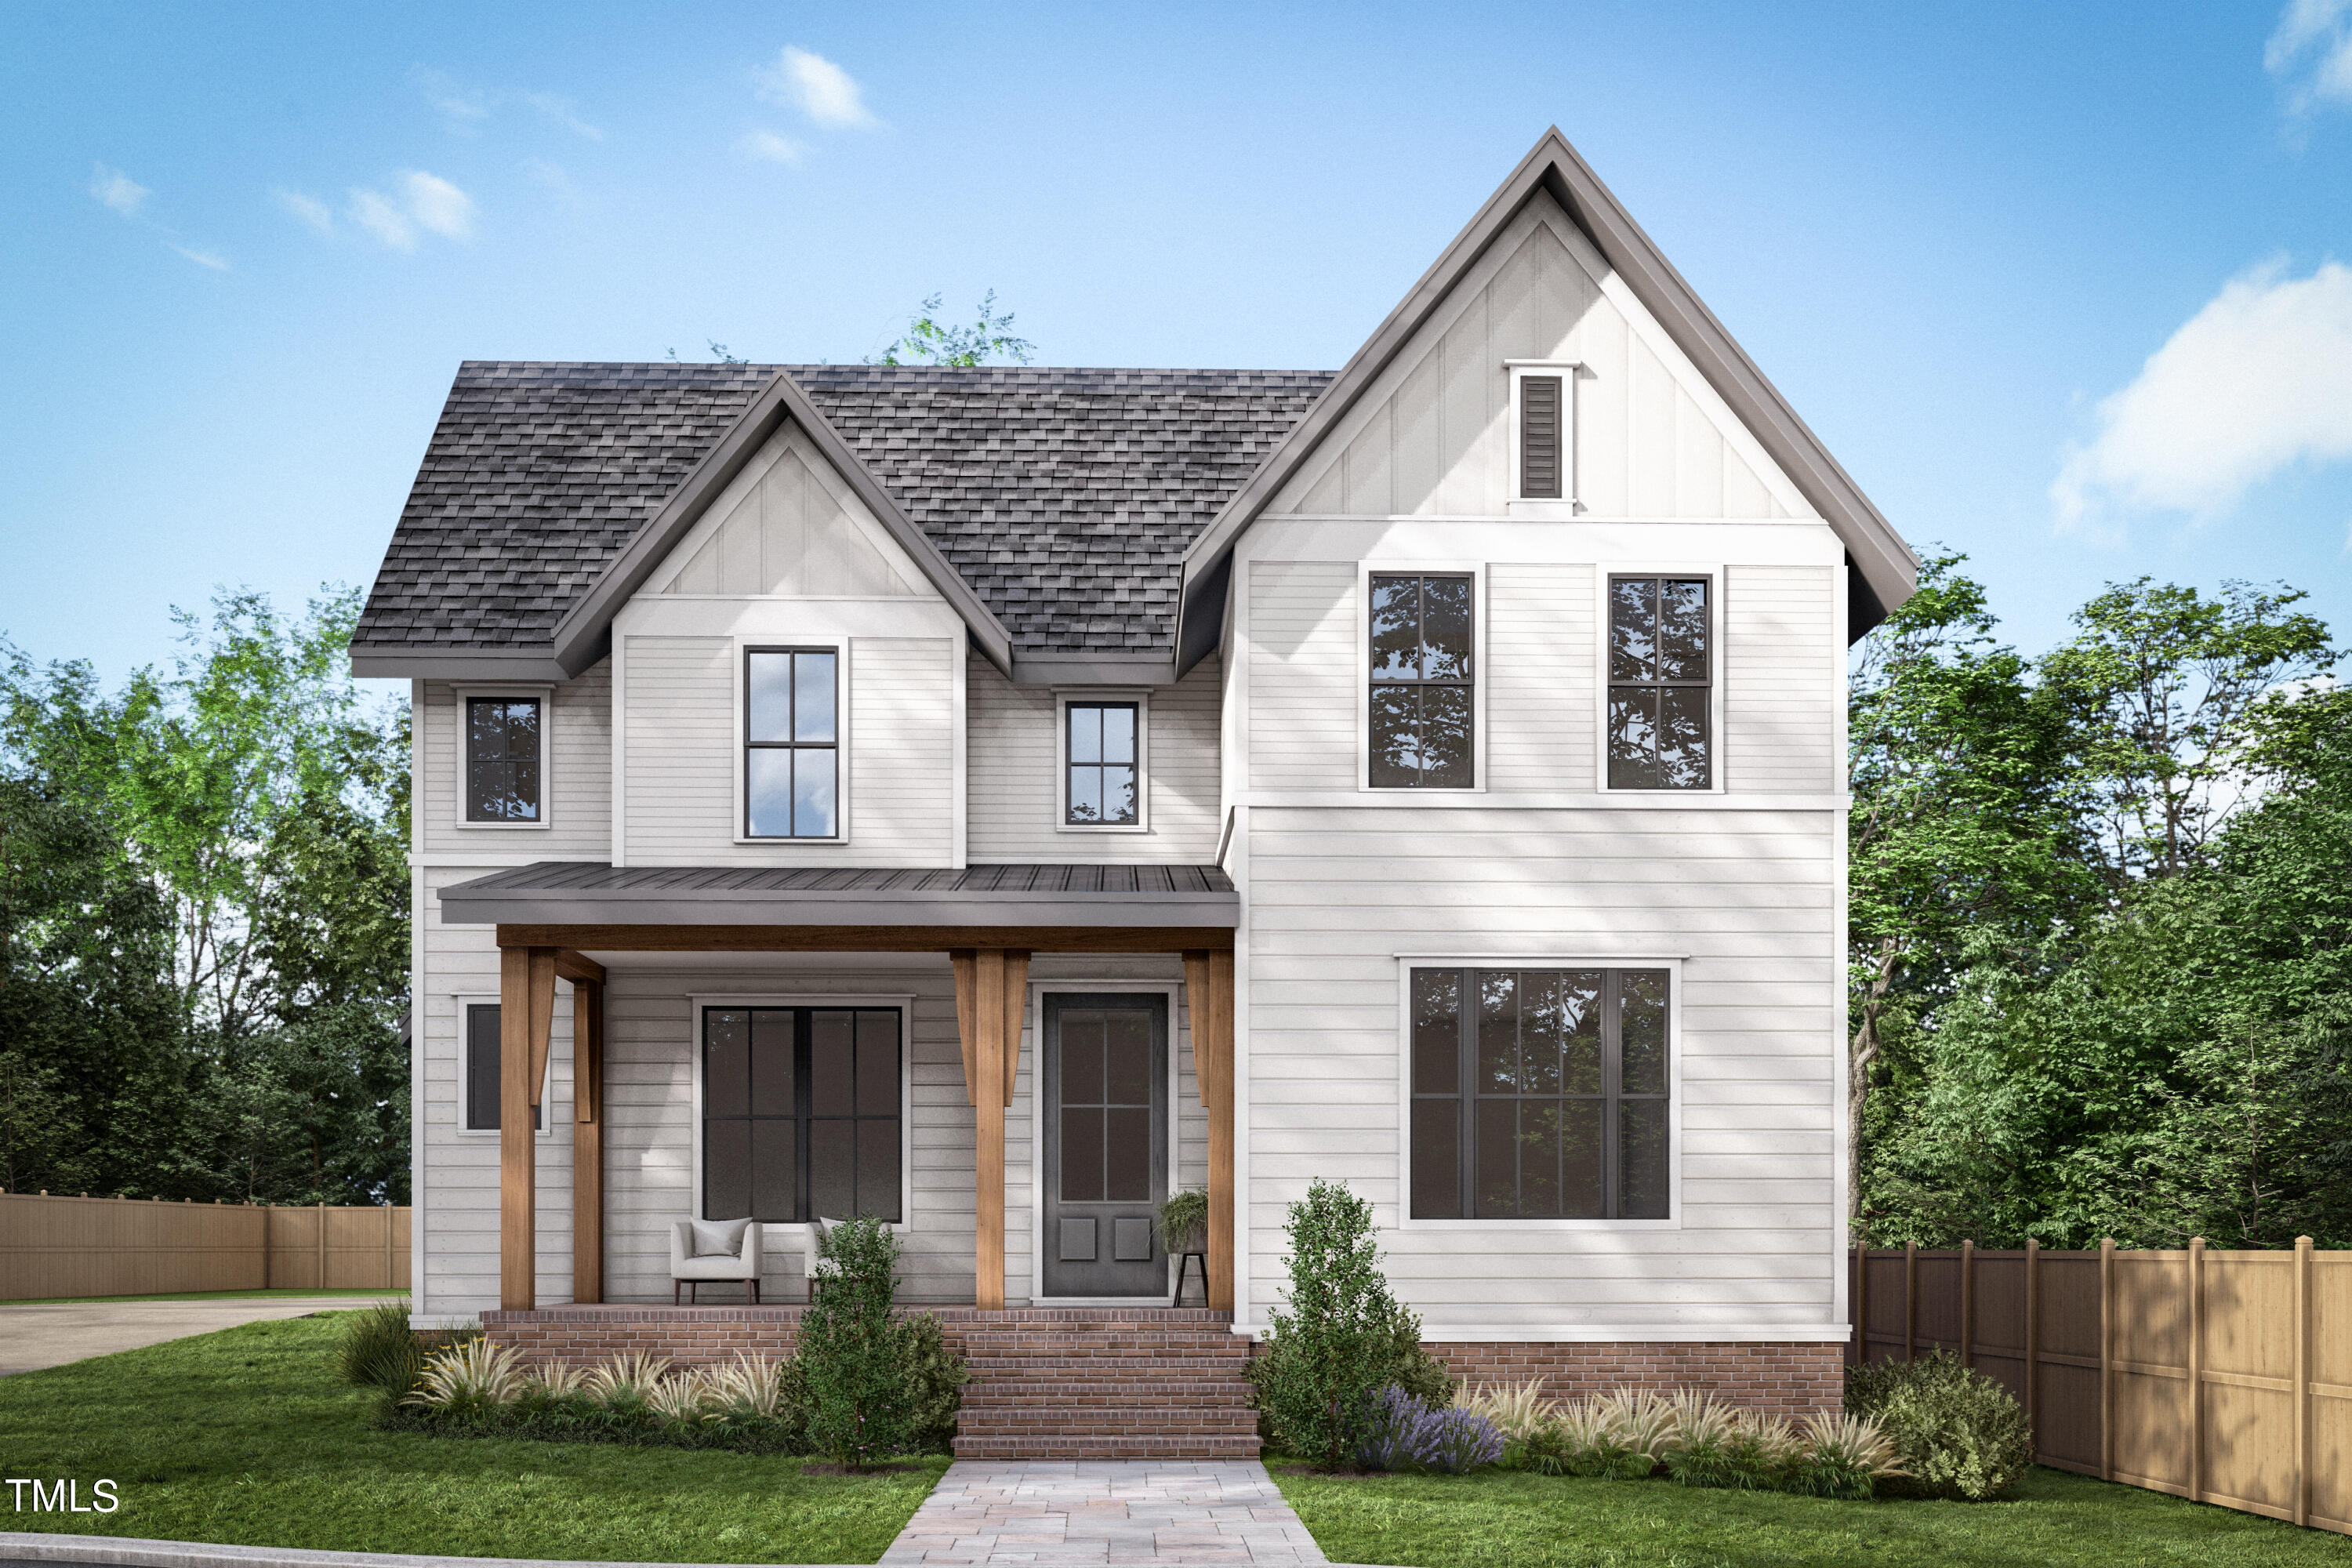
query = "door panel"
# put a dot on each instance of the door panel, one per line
(1105, 1062)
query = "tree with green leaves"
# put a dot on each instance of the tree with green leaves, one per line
(929, 341)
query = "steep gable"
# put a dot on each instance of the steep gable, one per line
(787, 526)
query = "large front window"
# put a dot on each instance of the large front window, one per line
(1539, 1093)
(799, 1113)
(791, 761)
(1420, 702)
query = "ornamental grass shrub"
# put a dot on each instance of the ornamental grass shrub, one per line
(379, 1350)
(477, 1389)
(1691, 1437)
(1960, 1434)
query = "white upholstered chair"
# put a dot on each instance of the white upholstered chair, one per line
(714, 1249)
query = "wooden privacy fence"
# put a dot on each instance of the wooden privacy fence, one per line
(2221, 1377)
(144, 1246)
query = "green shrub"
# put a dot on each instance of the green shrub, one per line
(380, 1350)
(873, 1381)
(1343, 1339)
(1960, 1434)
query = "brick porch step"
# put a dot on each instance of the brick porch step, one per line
(1130, 1446)
(1106, 1383)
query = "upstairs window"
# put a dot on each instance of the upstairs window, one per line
(791, 772)
(503, 755)
(1421, 704)
(1661, 683)
(1101, 740)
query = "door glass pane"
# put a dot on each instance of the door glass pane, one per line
(1642, 1027)
(813, 697)
(1126, 1059)
(1498, 1033)
(1499, 1158)
(1446, 713)
(812, 769)
(1682, 630)
(1632, 622)
(1436, 1032)
(727, 1065)
(1396, 628)
(1539, 1156)
(1682, 737)
(1632, 737)
(832, 1169)
(877, 1169)
(1580, 1194)
(769, 714)
(1641, 1145)
(1580, 995)
(727, 1170)
(1082, 1059)
(1118, 733)
(768, 792)
(1082, 1154)
(1086, 732)
(1436, 1154)
(772, 1062)
(877, 1064)
(774, 1199)
(832, 1064)
(1127, 1155)
(1395, 738)
(1445, 628)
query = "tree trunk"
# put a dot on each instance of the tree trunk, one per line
(1861, 1052)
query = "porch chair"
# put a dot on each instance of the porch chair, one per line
(714, 1249)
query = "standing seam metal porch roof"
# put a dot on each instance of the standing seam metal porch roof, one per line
(572, 892)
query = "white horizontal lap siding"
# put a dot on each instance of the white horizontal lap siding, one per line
(1015, 800)
(1336, 894)
(1300, 621)
(579, 785)
(1540, 654)
(460, 1202)
(650, 1065)
(1782, 637)
(680, 744)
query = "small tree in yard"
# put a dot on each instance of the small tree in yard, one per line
(1344, 1338)
(854, 1348)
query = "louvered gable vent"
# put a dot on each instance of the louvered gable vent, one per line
(1540, 437)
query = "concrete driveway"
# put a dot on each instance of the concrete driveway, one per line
(34, 1337)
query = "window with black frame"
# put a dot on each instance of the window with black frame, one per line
(801, 1114)
(502, 754)
(1421, 696)
(1539, 1094)
(1105, 771)
(1661, 683)
(791, 771)
(485, 1074)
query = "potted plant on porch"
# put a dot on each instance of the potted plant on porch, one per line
(1183, 1221)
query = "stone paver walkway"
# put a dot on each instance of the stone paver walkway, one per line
(1007, 1511)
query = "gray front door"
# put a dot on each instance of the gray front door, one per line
(1105, 1066)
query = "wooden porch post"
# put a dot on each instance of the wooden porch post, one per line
(980, 1008)
(587, 1141)
(526, 1013)
(1209, 992)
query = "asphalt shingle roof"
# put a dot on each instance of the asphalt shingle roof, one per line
(1066, 498)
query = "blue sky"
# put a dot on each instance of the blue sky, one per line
(2060, 284)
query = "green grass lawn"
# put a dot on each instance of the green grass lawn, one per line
(246, 1437)
(2056, 1521)
(210, 1295)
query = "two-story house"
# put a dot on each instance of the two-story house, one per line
(993, 799)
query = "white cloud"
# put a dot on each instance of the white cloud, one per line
(420, 201)
(376, 215)
(818, 88)
(560, 111)
(117, 190)
(461, 108)
(310, 210)
(769, 147)
(211, 258)
(2311, 50)
(2258, 380)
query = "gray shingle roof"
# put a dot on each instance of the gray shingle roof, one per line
(1066, 498)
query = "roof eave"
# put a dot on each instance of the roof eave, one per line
(402, 661)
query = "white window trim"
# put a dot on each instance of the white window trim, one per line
(1566, 503)
(1034, 1039)
(544, 695)
(1142, 698)
(744, 645)
(1673, 968)
(466, 1002)
(1719, 674)
(1481, 678)
(903, 1002)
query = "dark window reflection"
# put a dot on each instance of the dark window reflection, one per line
(800, 1114)
(1421, 701)
(502, 759)
(1661, 674)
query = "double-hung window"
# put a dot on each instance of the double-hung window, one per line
(503, 753)
(1661, 683)
(484, 1078)
(1539, 1093)
(791, 744)
(801, 1114)
(1421, 702)
(1103, 788)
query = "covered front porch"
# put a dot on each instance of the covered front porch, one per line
(1018, 954)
